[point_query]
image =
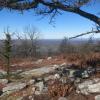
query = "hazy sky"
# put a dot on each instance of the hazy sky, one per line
(67, 24)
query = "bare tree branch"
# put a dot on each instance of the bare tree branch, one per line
(73, 6)
(97, 31)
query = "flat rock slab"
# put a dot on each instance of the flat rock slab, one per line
(14, 87)
(97, 97)
(38, 71)
(89, 86)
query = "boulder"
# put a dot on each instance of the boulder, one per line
(14, 87)
(40, 86)
(31, 82)
(85, 74)
(37, 93)
(97, 97)
(94, 88)
(55, 67)
(49, 58)
(63, 64)
(89, 86)
(56, 76)
(37, 72)
(3, 81)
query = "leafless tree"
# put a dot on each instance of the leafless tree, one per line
(97, 46)
(26, 44)
(50, 52)
(32, 34)
(87, 46)
(66, 47)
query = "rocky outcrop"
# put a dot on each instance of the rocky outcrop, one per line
(13, 87)
(3, 81)
(89, 86)
(38, 71)
(97, 97)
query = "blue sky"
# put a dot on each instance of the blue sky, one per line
(67, 24)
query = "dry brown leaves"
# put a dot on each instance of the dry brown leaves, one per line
(58, 89)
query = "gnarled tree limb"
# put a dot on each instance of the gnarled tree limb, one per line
(73, 6)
